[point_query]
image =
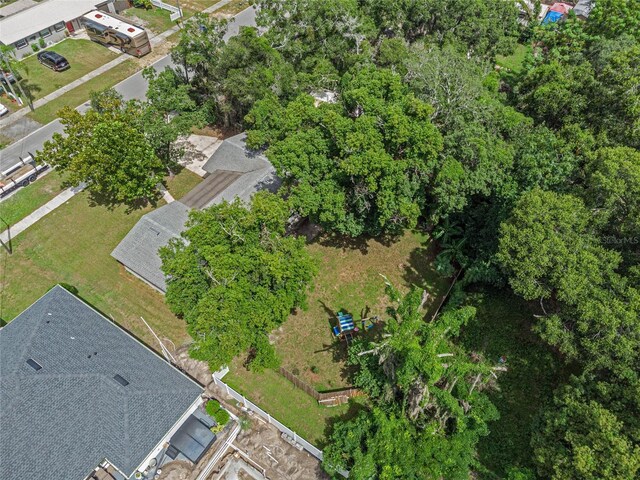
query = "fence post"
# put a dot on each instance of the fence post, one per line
(244, 400)
(295, 437)
(269, 418)
(227, 389)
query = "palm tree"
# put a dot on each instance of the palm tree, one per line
(9, 62)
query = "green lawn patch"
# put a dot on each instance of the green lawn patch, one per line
(80, 94)
(350, 280)
(182, 183)
(502, 327)
(26, 200)
(72, 244)
(515, 61)
(154, 19)
(287, 404)
(84, 56)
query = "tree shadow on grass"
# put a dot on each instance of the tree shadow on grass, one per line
(100, 200)
(355, 407)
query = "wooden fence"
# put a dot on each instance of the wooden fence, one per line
(328, 399)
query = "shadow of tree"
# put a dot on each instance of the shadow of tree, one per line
(355, 407)
(97, 199)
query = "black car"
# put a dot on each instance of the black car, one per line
(53, 60)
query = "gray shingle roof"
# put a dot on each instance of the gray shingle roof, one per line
(138, 251)
(60, 422)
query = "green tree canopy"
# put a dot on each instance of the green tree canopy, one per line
(359, 166)
(105, 149)
(581, 439)
(234, 276)
(429, 406)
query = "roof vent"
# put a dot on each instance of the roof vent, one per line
(33, 364)
(98, 15)
(120, 380)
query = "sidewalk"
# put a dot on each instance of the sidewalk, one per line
(155, 41)
(48, 207)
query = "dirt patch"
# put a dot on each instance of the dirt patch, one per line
(280, 460)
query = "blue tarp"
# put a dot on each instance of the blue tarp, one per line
(552, 17)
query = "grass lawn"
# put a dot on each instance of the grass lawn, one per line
(182, 183)
(84, 56)
(287, 404)
(72, 244)
(514, 61)
(349, 280)
(154, 19)
(80, 94)
(503, 327)
(28, 199)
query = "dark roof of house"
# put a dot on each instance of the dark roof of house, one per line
(138, 251)
(62, 408)
(234, 171)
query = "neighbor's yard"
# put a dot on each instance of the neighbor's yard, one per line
(77, 96)
(349, 280)
(84, 56)
(154, 19)
(72, 244)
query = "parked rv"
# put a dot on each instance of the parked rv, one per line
(116, 31)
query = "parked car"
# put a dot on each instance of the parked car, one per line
(53, 60)
(3, 110)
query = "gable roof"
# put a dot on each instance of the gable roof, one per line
(62, 420)
(234, 171)
(138, 251)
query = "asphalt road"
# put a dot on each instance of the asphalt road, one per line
(133, 87)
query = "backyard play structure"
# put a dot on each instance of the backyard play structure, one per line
(347, 326)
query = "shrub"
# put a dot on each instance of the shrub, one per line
(146, 4)
(212, 407)
(34, 47)
(221, 417)
(42, 42)
(314, 369)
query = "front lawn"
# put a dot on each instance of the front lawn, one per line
(72, 244)
(350, 280)
(77, 96)
(84, 56)
(30, 198)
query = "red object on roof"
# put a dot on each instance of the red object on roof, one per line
(562, 8)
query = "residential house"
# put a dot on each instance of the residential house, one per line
(82, 398)
(50, 20)
(233, 171)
